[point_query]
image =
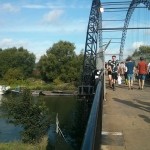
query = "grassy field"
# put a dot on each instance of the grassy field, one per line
(37, 84)
(22, 146)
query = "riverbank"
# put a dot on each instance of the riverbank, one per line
(46, 93)
(16, 145)
(53, 93)
(37, 84)
(42, 88)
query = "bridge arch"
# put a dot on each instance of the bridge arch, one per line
(92, 43)
(130, 11)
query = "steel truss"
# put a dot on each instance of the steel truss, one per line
(91, 45)
(130, 11)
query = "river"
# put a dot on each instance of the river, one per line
(65, 107)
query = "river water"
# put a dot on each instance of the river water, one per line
(66, 108)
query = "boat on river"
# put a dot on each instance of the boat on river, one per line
(17, 90)
(4, 89)
(51, 93)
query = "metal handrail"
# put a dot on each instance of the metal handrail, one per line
(92, 125)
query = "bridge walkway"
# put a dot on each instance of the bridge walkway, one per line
(126, 118)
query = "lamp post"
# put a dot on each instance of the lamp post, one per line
(101, 9)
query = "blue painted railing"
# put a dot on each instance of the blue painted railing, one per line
(94, 126)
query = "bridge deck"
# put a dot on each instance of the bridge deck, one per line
(126, 118)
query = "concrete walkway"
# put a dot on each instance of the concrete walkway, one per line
(126, 119)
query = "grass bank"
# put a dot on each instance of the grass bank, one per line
(21, 146)
(37, 84)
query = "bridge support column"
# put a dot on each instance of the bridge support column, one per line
(121, 56)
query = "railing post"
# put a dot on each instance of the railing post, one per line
(95, 119)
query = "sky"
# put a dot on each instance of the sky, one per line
(134, 38)
(37, 24)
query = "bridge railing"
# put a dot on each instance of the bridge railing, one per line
(92, 135)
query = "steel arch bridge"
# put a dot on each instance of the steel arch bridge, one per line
(94, 37)
(130, 11)
(91, 46)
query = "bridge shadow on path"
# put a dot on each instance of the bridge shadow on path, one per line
(138, 104)
(146, 119)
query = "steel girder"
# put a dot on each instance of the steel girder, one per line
(91, 44)
(130, 11)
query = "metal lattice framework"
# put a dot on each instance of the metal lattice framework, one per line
(130, 11)
(91, 45)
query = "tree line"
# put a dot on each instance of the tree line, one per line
(60, 64)
(143, 51)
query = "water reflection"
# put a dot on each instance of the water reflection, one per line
(72, 115)
(8, 132)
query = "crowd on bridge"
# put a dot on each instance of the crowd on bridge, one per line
(127, 71)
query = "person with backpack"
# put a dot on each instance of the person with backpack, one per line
(130, 72)
(114, 70)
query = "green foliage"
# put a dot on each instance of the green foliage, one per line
(13, 58)
(61, 62)
(142, 50)
(30, 115)
(57, 81)
(17, 145)
(13, 75)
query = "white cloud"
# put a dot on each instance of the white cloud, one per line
(53, 16)
(9, 7)
(34, 6)
(71, 4)
(48, 5)
(136, 45)
(8, 42)
(36, 48)
(60, 28)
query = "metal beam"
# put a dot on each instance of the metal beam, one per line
(112, 42)
(116, 10)
(121, 8)
(122, 28)
(113, 20)
(133, 5)
(91, 45)
(111, 38)
(111, 54)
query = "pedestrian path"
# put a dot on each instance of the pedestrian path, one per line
(126, 118)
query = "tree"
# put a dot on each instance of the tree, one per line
(15, 58)
(13, 75)
(142, 51)
(30, 115)
(61, 62)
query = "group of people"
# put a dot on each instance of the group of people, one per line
(127, 70)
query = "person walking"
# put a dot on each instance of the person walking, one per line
(125, 76)
(109, 73)
(130, 72)
(142, 71)
(121, 68)
(114, 68)
(149, 70)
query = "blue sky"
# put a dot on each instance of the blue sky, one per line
(38, 24)
(134, 38)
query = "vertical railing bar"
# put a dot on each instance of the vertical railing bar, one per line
(90, 133)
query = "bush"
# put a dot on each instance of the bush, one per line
(12, 75)
(30, 115)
